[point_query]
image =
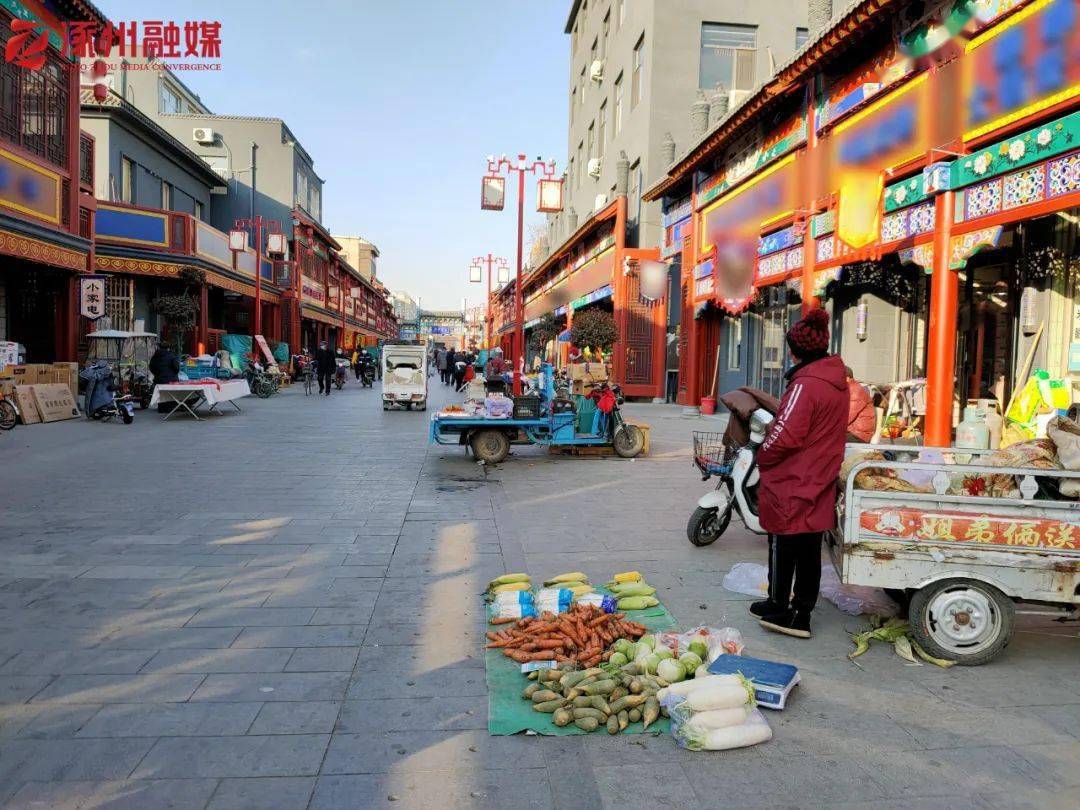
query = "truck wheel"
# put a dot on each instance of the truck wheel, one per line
(706, 525)
(629, 441)
(490, 446)
(962, 620)
(421, 405)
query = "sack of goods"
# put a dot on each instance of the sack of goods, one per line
(714, 713)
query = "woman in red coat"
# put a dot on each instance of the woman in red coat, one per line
(799, 462)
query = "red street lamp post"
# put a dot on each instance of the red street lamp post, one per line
(549, 199)
(476, 270)
(237, 240)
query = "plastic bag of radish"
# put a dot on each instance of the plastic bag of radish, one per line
(714, 713)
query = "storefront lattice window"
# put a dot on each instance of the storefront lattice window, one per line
(120, 302)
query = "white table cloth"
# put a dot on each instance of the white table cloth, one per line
(190, 395)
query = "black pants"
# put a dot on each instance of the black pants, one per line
(795, 557)
(325, 381)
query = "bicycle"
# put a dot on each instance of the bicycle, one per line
(309, 380)
(9, 414)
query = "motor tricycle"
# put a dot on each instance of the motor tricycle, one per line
(104, 399)
(129, 354)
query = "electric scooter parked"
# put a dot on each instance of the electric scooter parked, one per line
(734, 462)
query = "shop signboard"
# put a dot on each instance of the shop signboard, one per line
(312, 291)
(589, 298)
(1024, 65)
(870, 79)
(704, 284)
(673, 238)
(92, 297)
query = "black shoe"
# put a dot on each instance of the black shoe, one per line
(790, 622)
(766, 607)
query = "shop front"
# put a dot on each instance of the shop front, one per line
(929, 204)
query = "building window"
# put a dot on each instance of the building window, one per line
(301, 189)
(734, 342)
(601, 135)
(199, 210)
(620, 16)
(166, 196)
(120, 302)
(34, 103)
(583, 85)
(315, 208)
(634, 203)
(801, 36)
(728, 56)
(591, 140)
(127, 180)
(171, 102)
(637, 78)
(618, 104)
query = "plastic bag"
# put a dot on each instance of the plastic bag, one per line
(717, 641)
(748, 578)
(855, 599)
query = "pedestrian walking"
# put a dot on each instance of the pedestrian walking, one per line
(441, 364)
(325, 365)
(458, 372)
(355, 362)
(799, 462)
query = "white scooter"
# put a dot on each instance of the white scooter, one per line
(736, 491)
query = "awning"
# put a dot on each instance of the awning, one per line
(317, 315)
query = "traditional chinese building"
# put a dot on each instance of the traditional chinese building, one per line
(915, 169)
(46, 184)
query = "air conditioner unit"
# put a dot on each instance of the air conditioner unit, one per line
(596, 70)
(204, 135)
(594, 167)
(599, 202)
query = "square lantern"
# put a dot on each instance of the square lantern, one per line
(476, 273)
(238, 240)
(493, 193)
(549, 196)
(504, 274)
(276, 244)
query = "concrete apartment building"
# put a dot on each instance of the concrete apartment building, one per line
(284, 172)
(636, 69)
(361, 254)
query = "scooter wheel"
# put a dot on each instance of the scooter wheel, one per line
(706, 525)
(127, 417)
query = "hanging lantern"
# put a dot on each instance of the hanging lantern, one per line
(862, 320)
(238, 240)
(549, 196)
(475, 273)
(276, 244)
(653, 277)
(504, 274)
(493, 193)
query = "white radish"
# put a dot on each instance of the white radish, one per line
(755, 730)
(702, 722)
(725, 695)
(684, 688)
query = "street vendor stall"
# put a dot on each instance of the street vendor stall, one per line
(190, 395)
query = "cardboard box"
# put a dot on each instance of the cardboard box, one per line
(7, 388)
(24, 401)
(592, 372)
(54, 402)
(67, 374)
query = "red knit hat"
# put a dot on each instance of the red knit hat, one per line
(810, 336)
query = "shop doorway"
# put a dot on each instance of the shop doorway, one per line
(34, 314)
(986, 339)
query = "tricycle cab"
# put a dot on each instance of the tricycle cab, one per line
(405, 376)
(129, 354)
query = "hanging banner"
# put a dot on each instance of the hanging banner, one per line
(92, 296)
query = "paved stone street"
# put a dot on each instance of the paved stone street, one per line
(280, 609)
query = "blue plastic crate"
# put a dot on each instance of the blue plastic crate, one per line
(200, 372)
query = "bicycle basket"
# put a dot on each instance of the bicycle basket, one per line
(713, 452)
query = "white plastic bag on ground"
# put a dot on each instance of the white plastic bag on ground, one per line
(717, 641)
(748, 578)
(855, 599)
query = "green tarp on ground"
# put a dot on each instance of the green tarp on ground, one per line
(508, 713)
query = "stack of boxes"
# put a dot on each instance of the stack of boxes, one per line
(26, 385)
(584, 377)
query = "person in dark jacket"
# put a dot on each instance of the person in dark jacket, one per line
(799, 462)
(325, 366)
(164, 365)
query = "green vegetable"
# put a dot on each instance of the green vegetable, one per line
(664, 652)
(618, 693)
(618, 659)
(624, 719)
(582, 702)
(613, 725)
(587, 724)
(544, 695)
(652, 661)
(648, 640)
(699, 649)
(634, 715)
(903, 648)
(599, 715)
(671, 670)
(549, 706)
(628, 702)
(651, 712)
(600, 688)
(633, 589)
(690, 662)
(599, 703)
(574, 678)
(530, 690)
(562, 717)
(625, 646)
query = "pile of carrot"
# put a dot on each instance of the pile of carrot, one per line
(581, 635)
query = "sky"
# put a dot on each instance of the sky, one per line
(398, 103)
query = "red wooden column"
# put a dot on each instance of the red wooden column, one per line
(204, 317)
(689, 390)
(810, 190)
(941, 346)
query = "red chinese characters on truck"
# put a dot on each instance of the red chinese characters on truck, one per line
(966, 527)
